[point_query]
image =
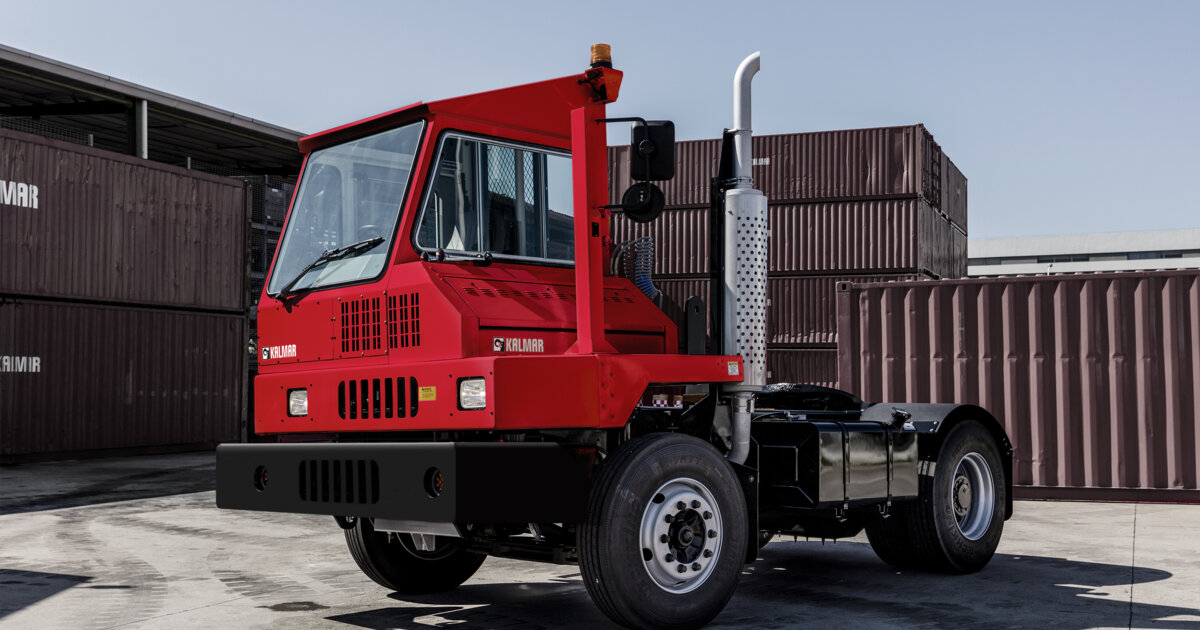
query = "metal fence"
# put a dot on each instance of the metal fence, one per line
(1096, 377)
(47, 130)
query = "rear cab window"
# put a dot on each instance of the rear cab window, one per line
(508, 200)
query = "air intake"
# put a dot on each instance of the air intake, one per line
(361, 327)
(378, 398)
(404, 320)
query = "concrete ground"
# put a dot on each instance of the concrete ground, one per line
(137, 543)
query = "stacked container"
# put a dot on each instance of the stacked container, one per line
(122, 302)
(864, 205)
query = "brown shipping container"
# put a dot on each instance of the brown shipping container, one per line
(1096, 377)
(814, 366)
(802, 310)
(897, 236)
(79, 377)
(861, 164)
(114, 228)
(954, 194)
(873, 236)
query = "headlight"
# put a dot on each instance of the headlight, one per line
(297, 402)
(472, 393)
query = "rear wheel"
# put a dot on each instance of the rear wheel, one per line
(394, 561)
(956, 522)
(665, 535)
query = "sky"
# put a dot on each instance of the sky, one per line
(1066, 116)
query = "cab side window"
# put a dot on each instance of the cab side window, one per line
(508, 200)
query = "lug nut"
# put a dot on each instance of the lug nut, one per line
(681, 505)
(695, 504)
(670, 557)
(712, 533)
(707, 515)
(670, 519)
(708, 553)
(695, 566)
(682, 569)
(664, 538)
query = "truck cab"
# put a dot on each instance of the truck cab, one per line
(464, 212)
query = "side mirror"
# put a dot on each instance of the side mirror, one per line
(652, 154)
(643, 202)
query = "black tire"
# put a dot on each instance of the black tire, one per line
(949, 528)
(394, 562)
(890, 539)
(629, 579)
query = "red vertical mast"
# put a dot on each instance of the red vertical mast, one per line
(589, 172)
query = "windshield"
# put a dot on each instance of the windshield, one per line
(348, 194)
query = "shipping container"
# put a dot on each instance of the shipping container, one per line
(954, 194)
(860, 164)
(813, 366)
(99, 226)
(897, 236)
(674, 299)
(1096, 377)
(83, 377)
(801, 310)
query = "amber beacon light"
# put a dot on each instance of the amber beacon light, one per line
(601, 56)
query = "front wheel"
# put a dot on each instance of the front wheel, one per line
(955, 524)
(665, 535)
(395, 562)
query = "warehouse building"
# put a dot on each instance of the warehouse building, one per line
(1084, 253)
(132, 223)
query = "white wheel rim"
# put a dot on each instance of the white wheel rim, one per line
(973, 496)
(681, 535)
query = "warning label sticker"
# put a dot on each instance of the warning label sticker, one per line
(733, 368)
(426, 394)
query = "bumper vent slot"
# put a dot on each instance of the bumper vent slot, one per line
(339, 481)
(378, 398)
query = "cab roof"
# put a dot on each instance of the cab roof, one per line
(543, 107)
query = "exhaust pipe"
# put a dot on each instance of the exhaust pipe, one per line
(742, 153)
(746, 236)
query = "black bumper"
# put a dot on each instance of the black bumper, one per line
(481, 482)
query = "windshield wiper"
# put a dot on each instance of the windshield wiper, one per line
(482, 259)
(327, 256)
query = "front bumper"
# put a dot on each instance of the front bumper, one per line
(481, 482)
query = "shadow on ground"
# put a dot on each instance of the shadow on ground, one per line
(48, 486)
(843, 584)
(19, 589)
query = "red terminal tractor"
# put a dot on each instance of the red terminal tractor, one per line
(458, 361)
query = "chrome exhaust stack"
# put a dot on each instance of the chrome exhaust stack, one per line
(745, 290)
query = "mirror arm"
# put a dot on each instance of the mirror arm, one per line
(637, 119)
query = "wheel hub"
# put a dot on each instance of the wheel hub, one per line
(962, 496)
(681, 535)
(973, 495)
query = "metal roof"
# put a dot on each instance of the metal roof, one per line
(41, 90)
(1095, 243)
